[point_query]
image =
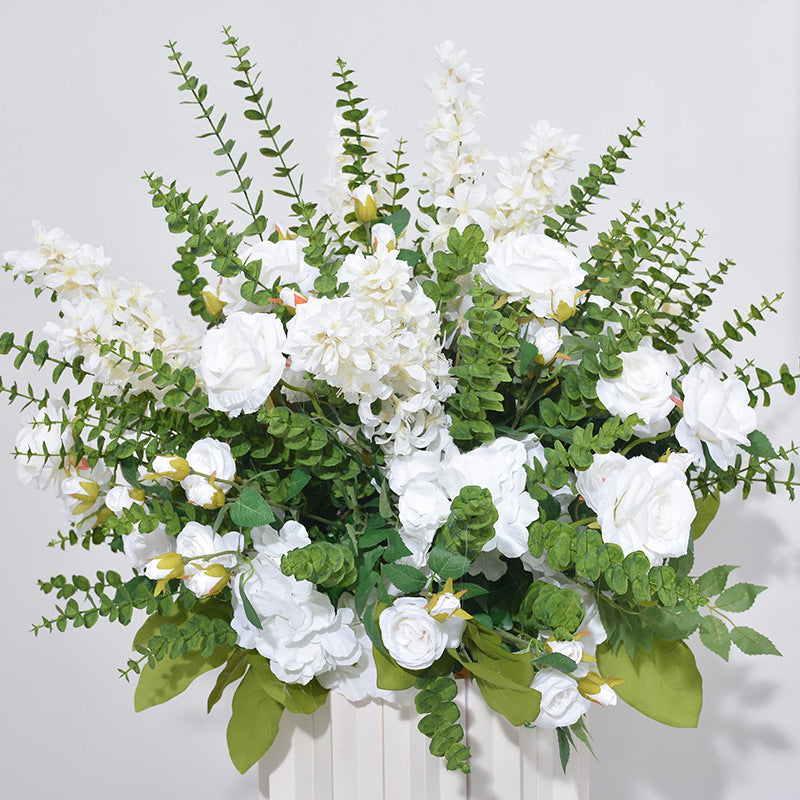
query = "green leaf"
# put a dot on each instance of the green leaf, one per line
(563, 747)
(518, 704)
(254, 722)
(557, 661)
(447, 564)
(752, 642)
(527, 353)
(249, 611)
(391, 676)
(738, 597)
(677, 622)
(664, 685)
(170, 676)
(706, 508)
(295, 697)
(297, 482)
(233, 670)
(371, 627)
(399, 220)
(384, 506)
(759, 446)
(715, 636)
(251, 510)
(406, 578)
(711, 583)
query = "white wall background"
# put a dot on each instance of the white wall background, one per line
(88, 105)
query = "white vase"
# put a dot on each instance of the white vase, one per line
(375, 752)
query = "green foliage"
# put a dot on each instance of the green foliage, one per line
(663, 684)
(251, 510)
(254, 721)
(590, 188)
(434, 701)
(546, 607)
(198, 93)
(323, 563)
(471, 522)
(259, 113)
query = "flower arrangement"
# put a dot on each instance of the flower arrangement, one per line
(403, 439)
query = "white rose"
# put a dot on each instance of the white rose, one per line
(241, 362)
(593, 483)
(537, 267)
(281, 262)
(412, 636)
(643, 388)
(118, 499)
(141, 547)
(649, 507)
(606, 697)
(562, 703)
(444, 610)
(212, 459)
(573, 650)
(547, 338)
(716, 412)
(202, 492)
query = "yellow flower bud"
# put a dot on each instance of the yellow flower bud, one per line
(165, 567)
(366, 208)
(563, 312)
(217, 571)
(87, 496)
(213, 304)
(173, 467)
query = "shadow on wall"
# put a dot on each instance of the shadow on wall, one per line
(743, 715)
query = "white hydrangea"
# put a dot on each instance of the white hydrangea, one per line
(45, 431)
(527, 184)
(92, 304)
(427, 482)
(378, 343)
(302, 634)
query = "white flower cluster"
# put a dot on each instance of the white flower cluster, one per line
(93, 305)
(426, 483)
(379, 346)
(301, 633)
(527, 184)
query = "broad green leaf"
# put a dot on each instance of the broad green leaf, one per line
(170, 676)
(715, 636)
(391, 676)
(760, 446)
(752, 642)
(297, 482)
(711, 583)
(447, 564)
(738, 597)
(527, 353)
(706, 508)
(664, 685)
(406, 578)
(518, 704)
(295, 697)
(486, 648)
(251, 510)
(253, 725)
(231, 672)
(399, 220)
(397, 547)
